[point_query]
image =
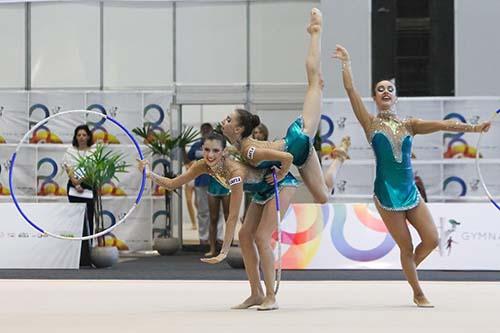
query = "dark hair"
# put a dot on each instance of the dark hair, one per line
(216, 137)
(89, 134)
(206, 125)
(248, 120)
(374, 87)
(264, 129)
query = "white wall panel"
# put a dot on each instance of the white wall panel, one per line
(347, 23)
(477, 48)
(211, 43)
(65, 45)
(279, 41)
(12, 39)
(138, 45)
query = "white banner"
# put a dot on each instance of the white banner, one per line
(24, 247)
(352, 236)
(38, 175)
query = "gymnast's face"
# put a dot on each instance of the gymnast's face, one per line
(259, 134)
(230, 125)
(384, 95)
(82, 138)
(212, 152)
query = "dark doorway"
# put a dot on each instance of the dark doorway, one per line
(413, 42)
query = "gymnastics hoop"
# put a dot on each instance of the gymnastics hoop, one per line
(278, 227)
(43, 122)
(478, 169)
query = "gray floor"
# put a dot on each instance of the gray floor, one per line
(204, 306)
(186, 266)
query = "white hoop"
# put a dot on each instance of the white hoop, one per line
(40, 124)
(478, 169)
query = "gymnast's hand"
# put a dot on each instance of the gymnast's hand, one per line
(215, 260)
(144, 164)
(280, 174)
(341, 54)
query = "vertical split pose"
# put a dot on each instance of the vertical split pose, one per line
(298, 142)
(395, 193)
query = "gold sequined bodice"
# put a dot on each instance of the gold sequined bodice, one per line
(228, 167)
(394, 129)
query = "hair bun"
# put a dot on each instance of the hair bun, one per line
(255, 120)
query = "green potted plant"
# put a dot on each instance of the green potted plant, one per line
(96, 169)
(161, 145)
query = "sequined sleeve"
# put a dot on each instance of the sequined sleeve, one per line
(408, 124)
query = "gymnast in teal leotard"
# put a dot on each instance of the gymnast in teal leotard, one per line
(391, 140)
(238, 177)
(395, 193)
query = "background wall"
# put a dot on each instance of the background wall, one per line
(476, 48)
(216, 55)
(216, 43)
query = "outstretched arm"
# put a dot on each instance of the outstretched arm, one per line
(198, 168)
(364, 117)
(420, 126)
(234, 212)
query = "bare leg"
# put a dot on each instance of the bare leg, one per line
(225, 206)
(396, 224)
(250, 256)
(421, 219)
(311, 111)
(263, 238)
(311, 172)
(312, 176)
(189, 191)
(214, 207)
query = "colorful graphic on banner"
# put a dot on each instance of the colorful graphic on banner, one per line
(457, 187)
(352, 236)
(327, 128)
(457, 147)
(301, 246)
(154, 125)
(4, 189)
(2, 139)
(110, 239)
(446, 232)
(109, 188)
(99, 132)
(43, 134)
(47, 172)
(365, 217)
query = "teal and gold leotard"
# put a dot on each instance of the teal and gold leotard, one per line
(215, 189)
(391, 141)
(296, 142)
(255, 183)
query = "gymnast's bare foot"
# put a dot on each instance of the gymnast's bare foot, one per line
(249, 302)
(341, 152)
(422, 302)
(315, 21)
(268, 304)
